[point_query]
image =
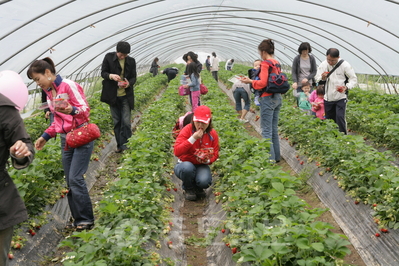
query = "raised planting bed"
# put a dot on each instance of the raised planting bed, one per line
(355, 181)
(265, 222)
(49, 213)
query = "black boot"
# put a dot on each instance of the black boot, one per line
(190, 194)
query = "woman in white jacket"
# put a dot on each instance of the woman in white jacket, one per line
(215, 66)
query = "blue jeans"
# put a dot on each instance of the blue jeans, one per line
(75, 162)
(269, 112)
(193, 175)
(239, 94)
(121, 115)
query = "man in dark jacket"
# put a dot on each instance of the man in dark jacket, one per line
(14, 142)
(171, 72)
(119, 73)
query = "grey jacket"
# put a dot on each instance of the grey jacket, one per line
(12, 129)
(296, 68)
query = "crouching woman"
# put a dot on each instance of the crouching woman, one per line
(197, 147)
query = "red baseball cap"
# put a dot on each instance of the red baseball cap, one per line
(202, 114)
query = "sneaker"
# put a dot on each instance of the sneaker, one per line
(190, 194)
(200, 192)
(244, 120)
(257, 103)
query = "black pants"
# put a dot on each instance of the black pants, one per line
(215, 75)
(337, 111)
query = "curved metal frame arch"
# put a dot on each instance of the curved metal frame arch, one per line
(59, 28)
(271, 12)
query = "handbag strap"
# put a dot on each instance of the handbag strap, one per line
(336, 66)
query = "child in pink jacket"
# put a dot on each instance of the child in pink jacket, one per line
(318, 102)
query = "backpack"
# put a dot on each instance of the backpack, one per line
(277, 83)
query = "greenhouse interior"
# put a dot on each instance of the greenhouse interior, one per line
(162, 132)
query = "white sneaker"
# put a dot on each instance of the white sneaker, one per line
(244, 120)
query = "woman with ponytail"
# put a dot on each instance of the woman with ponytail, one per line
(68, 104)
(270, 103)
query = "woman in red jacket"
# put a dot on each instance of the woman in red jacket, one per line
(270, 103)
(197, 146)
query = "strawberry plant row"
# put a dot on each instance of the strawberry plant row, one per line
(41, 184)
(375, 116)
(267, 224)
(134, 210)
(366, 174)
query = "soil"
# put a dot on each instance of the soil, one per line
(192, 212)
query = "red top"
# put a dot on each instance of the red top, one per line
(263, 77)
(184, 150)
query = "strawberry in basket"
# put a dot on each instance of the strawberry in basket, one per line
(60, 104)
(204, 154)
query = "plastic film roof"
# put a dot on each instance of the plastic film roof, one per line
(77, 33)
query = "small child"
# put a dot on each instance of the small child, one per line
(304, 104)
(181, 122)
(318, 103)
(253, 74)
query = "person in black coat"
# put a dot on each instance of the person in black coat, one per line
(171, 72)
(14, 142)
(119, 73)
(47, 112)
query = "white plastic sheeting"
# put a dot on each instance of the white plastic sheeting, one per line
(77, 33)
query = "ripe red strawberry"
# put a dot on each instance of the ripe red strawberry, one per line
(62, 195)
(227, 245)
(357, 202)
(384, 230)
(175, 189)
(168, 189)
(377, 235)
(10, 256)
(374, 205)
(17, 246)
(170, 242)
(234, 250)
(297, 156)
(33, 234)
(170, 223)
(301, 162)
(223, 230)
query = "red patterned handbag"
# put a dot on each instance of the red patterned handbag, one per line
(82, 135)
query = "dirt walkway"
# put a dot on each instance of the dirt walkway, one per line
(106, 175)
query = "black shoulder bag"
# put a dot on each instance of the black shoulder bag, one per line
(323, 82)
